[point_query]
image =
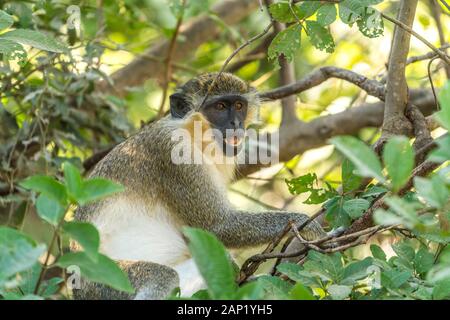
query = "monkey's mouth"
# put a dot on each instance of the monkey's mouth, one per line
(232, 144)
(233, 141)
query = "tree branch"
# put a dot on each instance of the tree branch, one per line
(168, 60)
(196, 32)
(436, 13)
(296, 139)
(314, 78)
(258, 53)
(395, 121)
(287, 76)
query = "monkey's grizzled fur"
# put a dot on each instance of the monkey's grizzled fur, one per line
(172, 196)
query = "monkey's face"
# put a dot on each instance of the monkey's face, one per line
(226, 115)
(229, 108)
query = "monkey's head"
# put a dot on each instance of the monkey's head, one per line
(229, 108)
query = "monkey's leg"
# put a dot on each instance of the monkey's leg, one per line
(151, 281)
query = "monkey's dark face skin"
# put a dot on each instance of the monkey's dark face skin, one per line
(227, 114)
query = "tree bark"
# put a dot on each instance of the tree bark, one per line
(395, 121)
(294, 139)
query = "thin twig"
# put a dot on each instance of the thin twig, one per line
(233, 54)
(168, 61)
(47, 258)
(430, 78)
(426, 56)
(441, 54)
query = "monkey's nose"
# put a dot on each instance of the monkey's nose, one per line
(235, 123)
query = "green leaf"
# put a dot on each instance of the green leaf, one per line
(73, 180)
(29, 279)
(250, 291)
(374, 191)
(104, 270)
(387, 218)
(306, 183)
(320, 36)
(371, 23)
(401, 212)
(364, 159)
(302, 184)
(296, 273)
(377, 252)
(404, 250)
(339, 292)
(213, 263)
(356, 207)
(350, 181)
(35, 39)
(300, 292)
(47, 186)
(398, 156)
(442, 153)
(350, 11)
(49, 209)
(369, 20)
(201, 295)
(308, 8)
(86, 235)
(356, 271)
(12, 50)
(280, 11)
(423, 261)
(6, 20)
(98, 188)
(328, 267)
(336, 214)
(443, 116)
(434, 191)
(286, 43)
(441, 290)
(50, 287)
(18, 252)
(403, 208)
(393, 279)
(177, 8)
(326, 14)
(274, 287)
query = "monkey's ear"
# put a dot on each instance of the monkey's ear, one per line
(179, 107)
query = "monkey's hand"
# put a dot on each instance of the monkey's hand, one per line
(312, 230)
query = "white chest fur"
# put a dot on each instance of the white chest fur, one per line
(133, 230)
(130, 230)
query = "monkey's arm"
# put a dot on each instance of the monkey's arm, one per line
(243, 228)
(199, 202)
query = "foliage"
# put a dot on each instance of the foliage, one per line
(52, 120)
(19, 259)
(288, 41)
(420, 268)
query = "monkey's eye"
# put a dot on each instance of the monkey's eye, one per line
(220, 106)
(238, 105)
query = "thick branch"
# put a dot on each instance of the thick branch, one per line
(316, 77)
(296, 139)
(395, 121)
